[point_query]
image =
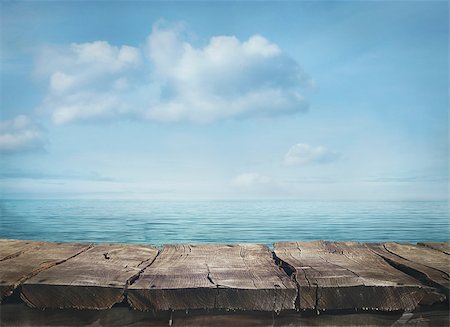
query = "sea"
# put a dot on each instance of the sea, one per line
(265, 222)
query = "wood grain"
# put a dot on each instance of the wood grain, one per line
(39, 257)
(13, 248)
(428, 257)
(430, 266)
(95, 279)
(349, 275)
(439, 246)
(213, 276)
(242, 277)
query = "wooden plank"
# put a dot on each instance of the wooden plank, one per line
(16, 270)
(439, 246)
(95, 279)
(349, 275)
(430, 266)
(213, 276)
(13, 248)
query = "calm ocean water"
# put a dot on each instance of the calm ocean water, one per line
(159, 222)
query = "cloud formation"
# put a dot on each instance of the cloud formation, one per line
(20, 134)
(225, 78)
(171, 79)
(302, 154)
(85, 80)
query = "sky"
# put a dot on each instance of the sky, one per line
(327, 100)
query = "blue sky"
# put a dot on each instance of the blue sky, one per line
(224, 100)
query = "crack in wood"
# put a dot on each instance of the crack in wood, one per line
(316, 305)
(343, 275)
(208, 276)
(434, 247)
(12, 256)
(414, 273)
(48, 266)
(275, 301)
(447, 275)
(292, 273)
(135, 277)
(41, 269)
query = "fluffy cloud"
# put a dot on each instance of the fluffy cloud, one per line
(20, 134)
(76, 64)
(226, 78)
(302, 154)
(173, 80)
(84, 80)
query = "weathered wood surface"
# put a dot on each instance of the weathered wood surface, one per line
(213, 276)
(439, 246)
(347, 275)
(12, 248)
(430, 266)
(330, 275)
(31, 260)
(431, 258)
(95, 279)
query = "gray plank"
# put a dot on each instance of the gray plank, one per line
(213, 276)
(95, 279)
(349, 275)
(18, 269)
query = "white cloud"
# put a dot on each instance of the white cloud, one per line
(302, 154)
(20, 134)
(254, 181)
(92, 58)
(226, 78)
(84, 80)
(60, 82)
(174, 81)
(87, 106)
(85, 63)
